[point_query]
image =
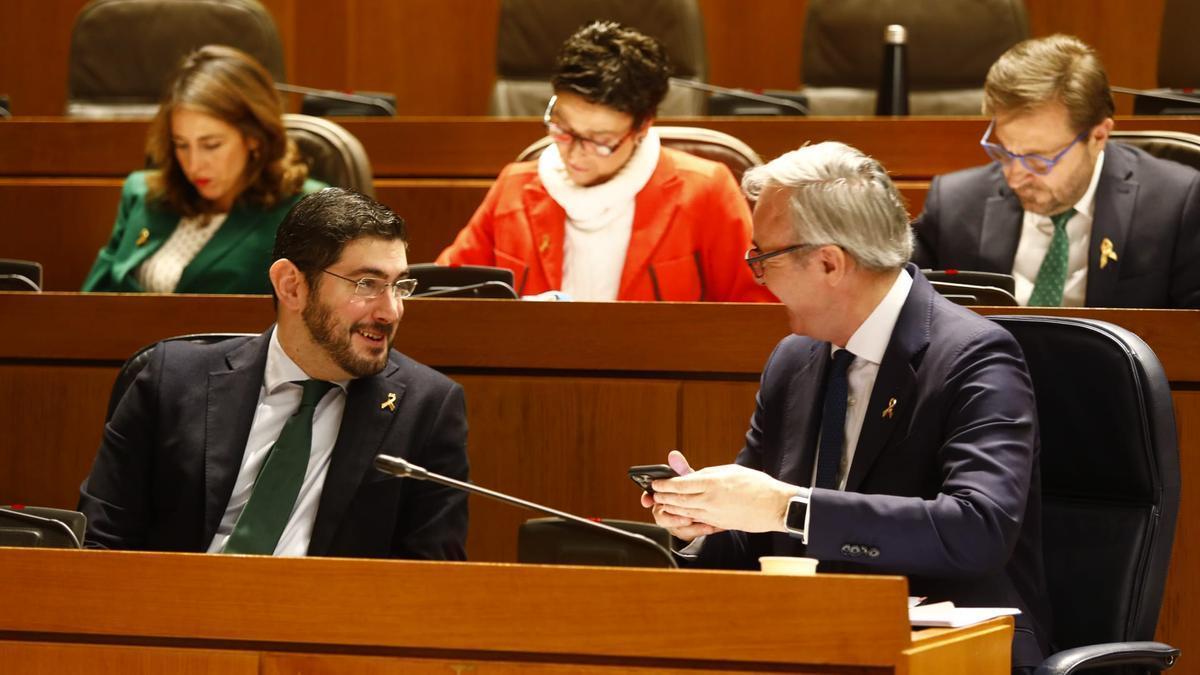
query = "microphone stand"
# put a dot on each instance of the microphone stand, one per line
(405, 469)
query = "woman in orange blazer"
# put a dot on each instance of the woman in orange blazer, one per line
(606, 213)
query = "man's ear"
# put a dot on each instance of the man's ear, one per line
(1101, 131)
(290, 285)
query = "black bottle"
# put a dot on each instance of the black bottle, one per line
(892, 98)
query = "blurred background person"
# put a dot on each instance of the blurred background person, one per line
(606, 213)
(205, 220)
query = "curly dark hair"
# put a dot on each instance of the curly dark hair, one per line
(613, 65)
(230, 85)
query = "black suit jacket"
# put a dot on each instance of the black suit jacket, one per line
(1148, 207)
(945, 490)
(171, 453)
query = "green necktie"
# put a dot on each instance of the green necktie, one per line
(274, 493)
(1052, 275)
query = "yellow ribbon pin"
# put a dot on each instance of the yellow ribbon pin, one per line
(1107, 252)
(890, 409)
(390, 403)
(544, 245)
(143, 237)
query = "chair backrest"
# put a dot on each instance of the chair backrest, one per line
(1177, 146)
(333, 154)
(20, 275)
(124, 52)
(1178, 58)
(531, 33)
(707, 143)
(136, 363)
(1110, 475)
(951, 45)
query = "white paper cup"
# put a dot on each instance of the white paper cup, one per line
(783, 564)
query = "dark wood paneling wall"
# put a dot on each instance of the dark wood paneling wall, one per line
(438, 56)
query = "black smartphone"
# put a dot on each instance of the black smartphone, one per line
(645, 474)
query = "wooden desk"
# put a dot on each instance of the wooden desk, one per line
(242, 614)
(556, 414)
(60, 179)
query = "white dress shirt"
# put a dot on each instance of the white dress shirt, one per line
(278, 400)
(1037, 231)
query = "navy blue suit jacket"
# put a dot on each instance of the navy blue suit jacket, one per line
(171, 453)
(945, 490)
(1148, 207)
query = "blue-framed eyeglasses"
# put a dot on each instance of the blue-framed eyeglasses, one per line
(1036, 164)
(370, 287)
(755, 257)
(561, 135)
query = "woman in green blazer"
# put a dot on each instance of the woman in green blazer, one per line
(205, 222)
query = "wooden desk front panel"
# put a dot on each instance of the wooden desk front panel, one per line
(63, 222)
(556, 415)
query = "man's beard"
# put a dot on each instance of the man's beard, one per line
(318, 318)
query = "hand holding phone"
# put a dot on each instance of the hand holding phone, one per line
(645, 474)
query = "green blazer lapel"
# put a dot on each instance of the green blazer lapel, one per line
(240, 224)
(158, 225)
(371, 410)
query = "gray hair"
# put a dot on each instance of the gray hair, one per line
(840, 196)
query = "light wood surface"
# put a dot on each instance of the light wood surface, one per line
(510, 613)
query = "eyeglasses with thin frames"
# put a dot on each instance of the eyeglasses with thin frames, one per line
(1036, 164)
(370, 287)
(560, 135)
(755, 257)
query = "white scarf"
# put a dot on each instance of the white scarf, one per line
(599, 219)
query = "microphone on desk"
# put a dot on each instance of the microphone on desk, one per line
(1191, 101)
(743, 94)
(52, 531)
(375, 103)
(405, 469)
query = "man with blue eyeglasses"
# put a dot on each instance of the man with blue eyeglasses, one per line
(1076, 220)
(265, 445)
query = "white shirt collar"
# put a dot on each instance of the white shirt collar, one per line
(1087, 203)
(281, 369)
(871, 339)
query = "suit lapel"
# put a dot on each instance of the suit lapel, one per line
(232, 399)
(240, 224)
(365, 425)
(654, 209)
(1116, 193)
(896, 381)
(1001, 231)
(802, 419)
(547, 224)
(159, 225)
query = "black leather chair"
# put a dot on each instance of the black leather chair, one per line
(20, 275)
(951, 45)
(136, 363)
(124, 52)
(707, 143)
(1110, 489)
(1177, 146)
(333, 154)
(531, 33)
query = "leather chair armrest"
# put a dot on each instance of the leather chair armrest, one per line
(1155, 656)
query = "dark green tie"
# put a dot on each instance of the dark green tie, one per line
(274, 493)
(1052, 275)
